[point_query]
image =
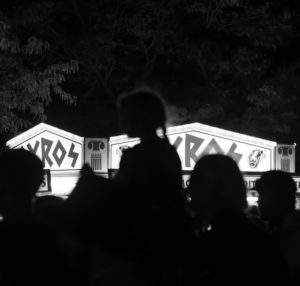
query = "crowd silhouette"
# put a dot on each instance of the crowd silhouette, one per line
(139, 228)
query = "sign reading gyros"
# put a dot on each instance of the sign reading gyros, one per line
(195, 140)
(58, 149)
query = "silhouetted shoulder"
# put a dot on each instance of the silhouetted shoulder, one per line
(149, 159)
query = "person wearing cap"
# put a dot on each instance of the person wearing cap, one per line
(277, 206)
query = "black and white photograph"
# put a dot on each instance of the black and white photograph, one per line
(149, 142)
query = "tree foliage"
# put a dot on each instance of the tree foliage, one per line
(27, 81)
(219, 62)
(235, 48)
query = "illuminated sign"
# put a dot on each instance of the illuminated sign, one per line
(250, 181)
(58, 149)
(116, 149)
(285, 157)
(96, 154)
(192, 145)
(195, 140)
(46, 184)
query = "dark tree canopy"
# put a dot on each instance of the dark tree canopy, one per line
(229, 63)
(28, 80)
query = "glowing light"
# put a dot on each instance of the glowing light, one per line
(63, 186)
(252, 200)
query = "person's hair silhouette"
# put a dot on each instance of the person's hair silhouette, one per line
(216, 185)
(154, 164)
(277, 195)
(151, 180)
(142, 112)
(230, 243)
(277, 205)
(21, 174)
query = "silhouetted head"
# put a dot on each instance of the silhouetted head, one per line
(21, 174)
(141, 112)
(216, 185)
(277, 195)
(89, 208)
(86, 170)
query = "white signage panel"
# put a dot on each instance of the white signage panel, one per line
(58, 150)
(192, 145)
(55, 152)
(250, 181)
(116, 150)
(96, 154)
(286, 157)
(45, 187)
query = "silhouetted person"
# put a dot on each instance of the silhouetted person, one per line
(150, 173)
(30, 252)
(93, 234)
(47, 209)
(277, 197)
(21, 174)
(31, 255)
(277, 203)
(232, 248)
(153, 161)
(90, 207)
